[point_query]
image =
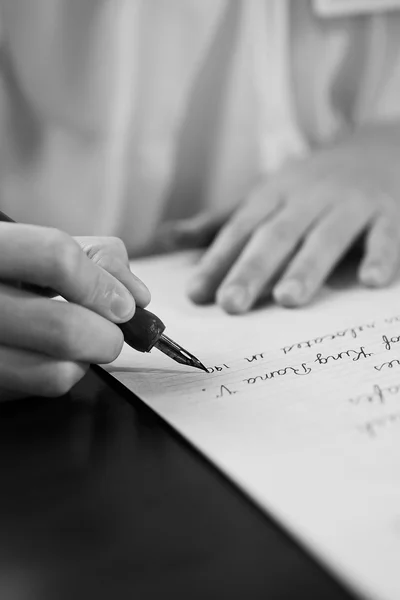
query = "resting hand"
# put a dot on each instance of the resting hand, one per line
(292, 231)
(46, 345)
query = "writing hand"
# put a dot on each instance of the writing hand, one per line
(46, 345)
(293, 230)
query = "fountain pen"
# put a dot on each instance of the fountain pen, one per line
(145, 331)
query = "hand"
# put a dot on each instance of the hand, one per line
(292, 231)
(46, 345)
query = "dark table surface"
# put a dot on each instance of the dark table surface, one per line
(101, 499)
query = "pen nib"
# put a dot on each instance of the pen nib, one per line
(177, 353)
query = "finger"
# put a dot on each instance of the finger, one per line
(382, 252)
(113, 246)
(32, 374)
(266, 252)
(110, 254)
(324, 247)
(229, 244)
(49, 258)
(197, 232)
(59, 329)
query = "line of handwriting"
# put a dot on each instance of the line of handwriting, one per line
(305, 368)
(353, 332)
(299, 370)
(378, 395)
(355, 355)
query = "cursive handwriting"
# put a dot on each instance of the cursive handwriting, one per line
(301, 370)
(355, 355)
(387, 342)
(351, 332)
(388, 365)
(377, 396)
(259, 356)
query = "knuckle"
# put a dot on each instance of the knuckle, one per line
(62, 377)
(283, 230)
(100, 252)
(240, 226)
(105, 261)
(254, 268)
(260, 194)
(119, 245)
(258, 207)
(101, 289)
(247, 218)
(64, 256)
(61, 333)
(326, 239)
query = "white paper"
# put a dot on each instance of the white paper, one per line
(314, 442)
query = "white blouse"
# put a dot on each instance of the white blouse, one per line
(116, 115)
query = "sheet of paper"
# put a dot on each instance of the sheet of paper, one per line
(301, 409)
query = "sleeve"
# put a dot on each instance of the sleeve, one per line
(379, 96)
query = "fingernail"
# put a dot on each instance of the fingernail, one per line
(370, 275)
(122, 304)
(234, 299)
(374, 274)
(288, 292)
(198, 291)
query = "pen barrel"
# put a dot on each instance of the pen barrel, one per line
(143, 331)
